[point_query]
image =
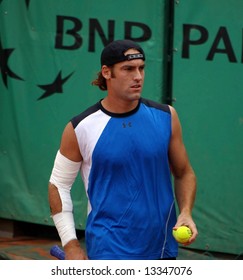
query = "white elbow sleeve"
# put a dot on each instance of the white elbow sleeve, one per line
(63, 175)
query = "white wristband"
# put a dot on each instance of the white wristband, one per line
(64, 223)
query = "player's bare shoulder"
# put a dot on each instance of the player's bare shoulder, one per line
(69, 144)
(175, 121)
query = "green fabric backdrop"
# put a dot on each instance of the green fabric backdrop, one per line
(208, 88)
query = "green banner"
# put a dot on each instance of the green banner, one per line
(208, 89)
(49, 54)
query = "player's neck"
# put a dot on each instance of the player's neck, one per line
(119, 105)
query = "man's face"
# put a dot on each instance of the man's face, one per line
(127, 78)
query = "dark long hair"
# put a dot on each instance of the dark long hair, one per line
(100, 81)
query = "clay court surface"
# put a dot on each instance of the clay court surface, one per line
(24, 241)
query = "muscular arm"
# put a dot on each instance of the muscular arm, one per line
(68, 148)
(184, 177)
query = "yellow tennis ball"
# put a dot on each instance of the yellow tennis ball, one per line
(182, 234)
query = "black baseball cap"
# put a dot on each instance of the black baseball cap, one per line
(114, 52)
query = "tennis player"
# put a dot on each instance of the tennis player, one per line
(130, 153)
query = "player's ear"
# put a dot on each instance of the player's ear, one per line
(106, 72)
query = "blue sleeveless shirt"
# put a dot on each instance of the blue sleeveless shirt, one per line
(127, 177)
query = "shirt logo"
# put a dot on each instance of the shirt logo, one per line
(125, 125)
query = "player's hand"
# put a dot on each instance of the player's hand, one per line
(186, 220)
(73, 251)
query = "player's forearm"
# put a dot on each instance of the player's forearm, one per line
(185, 192)
(62, 218)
